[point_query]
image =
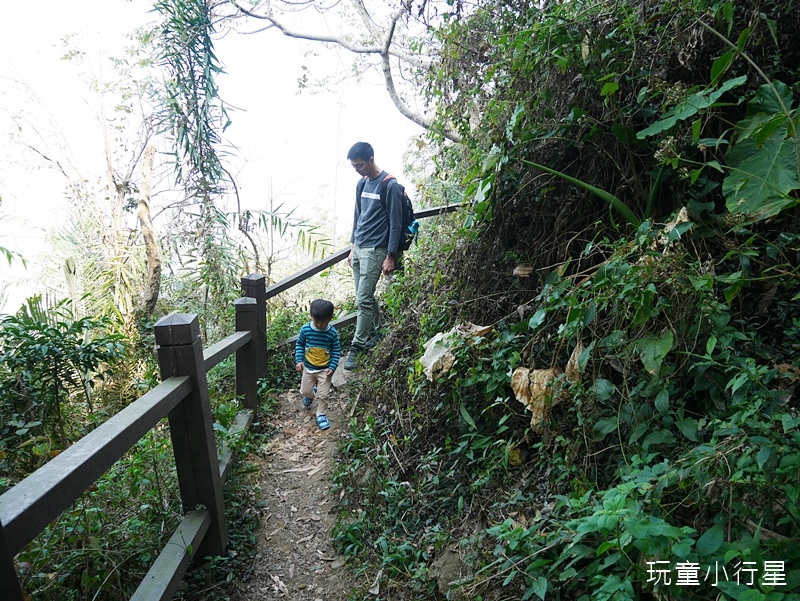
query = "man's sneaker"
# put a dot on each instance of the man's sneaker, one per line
(323, 422)
(307, 402)
(352, 359)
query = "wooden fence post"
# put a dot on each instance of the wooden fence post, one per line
(254, 286)
(247, 356)
(180, 353)
(9, 583)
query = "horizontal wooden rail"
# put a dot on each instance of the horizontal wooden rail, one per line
(424, 213)
(306, 273)
(341, 255)
(217, 353)
(29, 506)
(166, 573)
(227, 455)
(342, 322)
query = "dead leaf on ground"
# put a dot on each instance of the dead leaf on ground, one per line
(375, 589)
(573, 371)
(534, 389)
(297, 469)
(438, 357)
(280, 585)
(473, 329)
(317, 469)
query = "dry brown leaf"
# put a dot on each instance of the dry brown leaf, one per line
(279, 583)
(375, 589)
(534, 389)
(542, 390)
(438, 358)
(297, 469)
(522, 271)
(472, 329)
(573, 372)
(316, 469)
(521, 385)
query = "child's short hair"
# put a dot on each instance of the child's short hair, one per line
(322, 309)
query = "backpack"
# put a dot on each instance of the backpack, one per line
(409, 224)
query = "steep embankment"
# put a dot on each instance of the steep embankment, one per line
(632, 406)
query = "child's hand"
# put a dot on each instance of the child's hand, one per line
(299, 367)
(329, 372)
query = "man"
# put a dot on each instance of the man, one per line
(375, 239)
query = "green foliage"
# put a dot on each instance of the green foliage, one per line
(679, 444)
(44, 363)
(10, 255)
(677, 440)
(190, 110)
(689, 107)
(103, 546)
(377, 522)
(278, 222)
(764, 163)
(606, 196)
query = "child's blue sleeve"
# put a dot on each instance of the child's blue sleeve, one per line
(299, 347)
(336, 351)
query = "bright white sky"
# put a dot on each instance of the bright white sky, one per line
(294, 144)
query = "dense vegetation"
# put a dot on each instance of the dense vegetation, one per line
(631, 254)
(634, 246)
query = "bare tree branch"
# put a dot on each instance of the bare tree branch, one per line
(416, 60)
(382, 44)
(366, 19)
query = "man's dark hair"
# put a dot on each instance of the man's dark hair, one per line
(361, 150)
(322, 309)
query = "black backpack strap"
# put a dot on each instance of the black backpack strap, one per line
(384, 190)
(360, 187)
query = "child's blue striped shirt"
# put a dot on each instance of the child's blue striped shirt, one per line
(318, 349)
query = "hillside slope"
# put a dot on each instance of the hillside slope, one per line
(627, 425)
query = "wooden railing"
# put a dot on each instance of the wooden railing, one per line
(30, 505)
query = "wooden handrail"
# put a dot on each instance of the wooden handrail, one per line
(166, 573)
(29, 506)
(217, 353)
(304, 274)
(341, 255)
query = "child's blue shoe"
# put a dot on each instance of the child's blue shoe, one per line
(307, 402)
(323, 422)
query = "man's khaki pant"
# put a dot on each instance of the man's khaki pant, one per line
(366, 266)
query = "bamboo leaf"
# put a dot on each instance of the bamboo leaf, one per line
(612, 200)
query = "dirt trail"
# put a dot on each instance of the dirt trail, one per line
(296, 558)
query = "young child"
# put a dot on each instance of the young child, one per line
(316, 354)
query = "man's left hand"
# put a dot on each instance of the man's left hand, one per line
(388, 265)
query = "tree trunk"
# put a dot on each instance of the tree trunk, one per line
(153, 285)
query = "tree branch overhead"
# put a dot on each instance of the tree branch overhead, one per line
(380, 41)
